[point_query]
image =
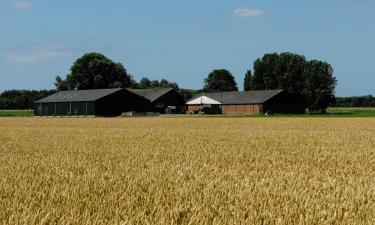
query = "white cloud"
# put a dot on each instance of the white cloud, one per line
(22, 5)
(36, 54)
(247, 12)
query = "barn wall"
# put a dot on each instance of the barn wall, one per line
(37, 109)
(242, 109)
(121, 101)
(64, 109)
(172, 98)
(250, 109)
(285, 103)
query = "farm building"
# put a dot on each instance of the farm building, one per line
(247, 102)
(109, 102)
(98, 102)
(163, 100)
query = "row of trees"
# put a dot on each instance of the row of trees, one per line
(145, 83)
(356, 101)
(95, 71)
(22, 99)
(314, 79)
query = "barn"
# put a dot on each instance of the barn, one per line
(247, 102)
(163, 100)
(97, 102)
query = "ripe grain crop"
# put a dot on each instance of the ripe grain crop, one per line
(187, 171)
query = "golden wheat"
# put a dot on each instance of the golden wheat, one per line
(187, 171)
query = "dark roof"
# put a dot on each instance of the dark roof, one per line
(151, 94)
(241, 97)
(79, 95)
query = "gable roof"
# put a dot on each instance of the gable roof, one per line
(203, 100)
(79, 95)
(151, 94)
(241, 97)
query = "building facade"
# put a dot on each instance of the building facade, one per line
(248, 102)
(109, 102)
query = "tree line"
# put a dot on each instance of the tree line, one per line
(312, 79)
(22, 99)
(355, 101)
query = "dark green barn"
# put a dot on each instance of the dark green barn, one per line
(163, 100)
(97, 102)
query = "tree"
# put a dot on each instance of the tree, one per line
(164, 83)
(173, 85)
(220, 80)
(284, 71)
(154, 84)
(144, 83)
(313, 80)
(247, 84)
(319, 85)
(94, 71)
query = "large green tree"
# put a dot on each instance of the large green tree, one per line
(220, 80)
(94, 71)
(295, 74)
(280, 71)
(319, 85)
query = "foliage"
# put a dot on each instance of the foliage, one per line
(187, 171)
(22, 99)
(220, 80)
(298, 76)
(319, 85)
(248, 83)
(284, 71)
(94, 71)
(188, 93)
(146, 83)
(355, 101)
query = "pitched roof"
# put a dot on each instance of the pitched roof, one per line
(151, 94)
(79, 95)
(203, 100)
(241, 97)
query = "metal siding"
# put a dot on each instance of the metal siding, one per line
(91, 108)
(37, 109)
(62, 109)
(48, 109)
(78, 108)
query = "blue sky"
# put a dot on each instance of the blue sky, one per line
(183, 41)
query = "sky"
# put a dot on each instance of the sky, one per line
(183, 41)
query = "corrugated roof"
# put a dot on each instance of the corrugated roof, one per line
(78, 95)
(241, 97)
(151, 94)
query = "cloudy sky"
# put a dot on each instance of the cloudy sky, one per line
(183, 41)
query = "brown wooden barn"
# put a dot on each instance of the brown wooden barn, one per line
(247, 102)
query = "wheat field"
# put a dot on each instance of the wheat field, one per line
(187, 171)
